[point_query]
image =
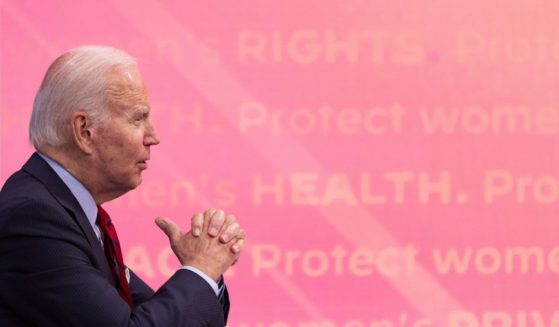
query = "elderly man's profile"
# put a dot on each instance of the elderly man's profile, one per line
(61, 262)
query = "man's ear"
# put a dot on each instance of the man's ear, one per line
(82, 132)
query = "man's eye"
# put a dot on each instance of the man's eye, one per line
(139, 117)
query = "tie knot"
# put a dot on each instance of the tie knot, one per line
(103, 218)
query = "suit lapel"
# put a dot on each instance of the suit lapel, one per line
(38, 168)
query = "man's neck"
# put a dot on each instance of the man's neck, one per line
(79, 166)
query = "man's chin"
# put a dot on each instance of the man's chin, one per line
(133, 184)
(137, 181)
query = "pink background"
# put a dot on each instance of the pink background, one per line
(320, 252)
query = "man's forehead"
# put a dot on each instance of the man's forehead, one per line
(130, 76)
(126, 90)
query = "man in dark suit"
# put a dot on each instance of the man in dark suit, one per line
(60, 259)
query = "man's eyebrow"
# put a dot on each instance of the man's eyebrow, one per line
(138, 111)
(141, 109)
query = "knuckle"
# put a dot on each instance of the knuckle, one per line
(234, 227)
(209, 212)
(218, 216)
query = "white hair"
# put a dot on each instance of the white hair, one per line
(75, 81)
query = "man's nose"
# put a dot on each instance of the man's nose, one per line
(151, 138)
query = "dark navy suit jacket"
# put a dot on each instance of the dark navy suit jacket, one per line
(53, 271)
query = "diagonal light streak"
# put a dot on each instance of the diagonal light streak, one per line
(53, 51)
(211, 77)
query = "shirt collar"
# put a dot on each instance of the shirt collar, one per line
(79, 191)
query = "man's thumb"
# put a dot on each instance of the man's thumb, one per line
(169, 228)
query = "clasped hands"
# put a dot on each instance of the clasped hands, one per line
(213, 244)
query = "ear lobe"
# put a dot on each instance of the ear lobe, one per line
(81, 131)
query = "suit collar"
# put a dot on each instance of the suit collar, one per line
(39, 168)
(79, 191)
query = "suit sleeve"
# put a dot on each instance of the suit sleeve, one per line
(47, 276)
(141, 292)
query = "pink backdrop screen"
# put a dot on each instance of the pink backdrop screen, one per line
(394, 163)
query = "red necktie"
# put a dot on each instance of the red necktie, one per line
(114, 254)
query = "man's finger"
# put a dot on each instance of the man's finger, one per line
(209, 213)
(238, 246)
(170, 228)
(229, 232)
(241, 234)
(197, 224)
(216, 222)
